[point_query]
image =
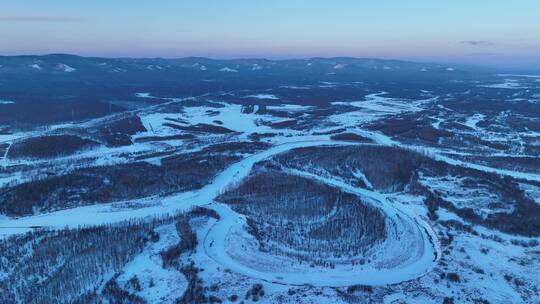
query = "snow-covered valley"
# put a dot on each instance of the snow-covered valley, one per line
(326, 191)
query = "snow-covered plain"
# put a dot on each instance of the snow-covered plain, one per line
(512, 84)
(263, 96)
(410, 257)
(374, 107)
(229, 116)
(289, 108)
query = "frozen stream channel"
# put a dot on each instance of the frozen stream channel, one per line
(410, 250)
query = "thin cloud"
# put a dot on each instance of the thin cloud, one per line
(484, 54)
(51, 19)
(476, 42)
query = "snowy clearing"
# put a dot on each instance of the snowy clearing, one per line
(158, 285)
(263, 96)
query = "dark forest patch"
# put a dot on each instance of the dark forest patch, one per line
(318, 220)
(49, 146)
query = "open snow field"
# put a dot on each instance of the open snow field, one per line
(449, 231)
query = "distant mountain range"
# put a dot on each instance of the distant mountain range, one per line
(61, 87)
(62, 63)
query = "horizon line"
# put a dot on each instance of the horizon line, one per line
(239, 58)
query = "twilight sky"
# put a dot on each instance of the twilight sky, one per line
(498, 32)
